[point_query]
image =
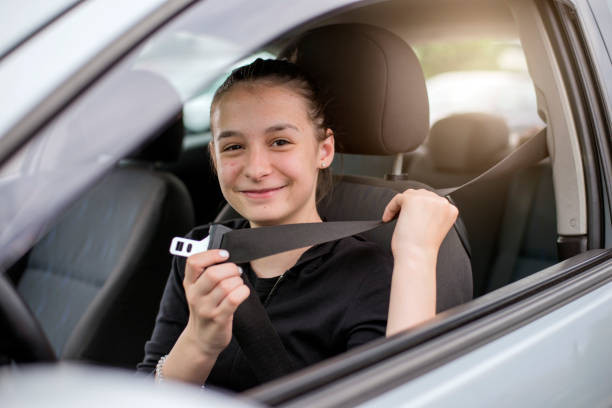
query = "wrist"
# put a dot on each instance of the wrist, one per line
(187, 361)
(413, 254)
(198, 348)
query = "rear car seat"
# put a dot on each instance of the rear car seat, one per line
(528, 235)
(459, 148)
(511, 221)
(95, 280)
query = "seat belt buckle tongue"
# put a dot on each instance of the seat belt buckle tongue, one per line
(185, 247)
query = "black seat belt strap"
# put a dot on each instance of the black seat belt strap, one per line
(259, 341)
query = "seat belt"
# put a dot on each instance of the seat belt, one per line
(258, 339)
(252, 327)
(247, 244)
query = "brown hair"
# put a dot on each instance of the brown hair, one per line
(283, 72)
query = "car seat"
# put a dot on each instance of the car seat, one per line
(95, 280)
(528, 235)
(511, 220)
(459, 148)
(378, 105)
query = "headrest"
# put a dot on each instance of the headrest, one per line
(468, 142)
(167, 146)
(378, 99)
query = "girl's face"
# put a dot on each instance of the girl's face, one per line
(267, 154)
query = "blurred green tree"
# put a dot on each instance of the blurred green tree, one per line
(471, 55)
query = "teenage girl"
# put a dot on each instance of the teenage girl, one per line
(272, 147)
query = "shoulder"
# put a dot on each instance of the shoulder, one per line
(363, 257)
(358, 246)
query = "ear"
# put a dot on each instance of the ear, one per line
(326, 149)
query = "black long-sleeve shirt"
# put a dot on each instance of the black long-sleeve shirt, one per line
(335, 297)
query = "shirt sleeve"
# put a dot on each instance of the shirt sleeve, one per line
(171, 318)
(366, 316)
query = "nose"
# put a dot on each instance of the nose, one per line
(258, 164)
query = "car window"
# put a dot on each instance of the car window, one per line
(195, 110)
(486, 75)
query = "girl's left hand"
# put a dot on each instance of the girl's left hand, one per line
(424, 220)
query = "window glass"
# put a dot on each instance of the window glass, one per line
(196, 110)
(485, 76)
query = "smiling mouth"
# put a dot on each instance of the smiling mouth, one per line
(261, 193)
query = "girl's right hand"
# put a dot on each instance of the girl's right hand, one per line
(214, 290)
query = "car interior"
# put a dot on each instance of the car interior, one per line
(95, 279)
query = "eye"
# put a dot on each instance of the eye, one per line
(232, 147)
(280, 142)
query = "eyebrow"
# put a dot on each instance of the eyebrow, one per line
(274, 128)
(281, 126)
(228, 133)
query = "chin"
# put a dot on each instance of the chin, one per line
(264, 218)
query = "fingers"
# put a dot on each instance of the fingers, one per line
(423, 220)
(212, 277)
(393, 208)
(453, 211)
(206, 290)
(222, 301)
(223, 289)
(421, 196)
(198, 262)
(230, 303)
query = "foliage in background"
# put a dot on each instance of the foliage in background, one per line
(437, 58)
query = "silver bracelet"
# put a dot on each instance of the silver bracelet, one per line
(159, 369)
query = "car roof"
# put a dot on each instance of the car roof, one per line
(25, 21)
(22, 74)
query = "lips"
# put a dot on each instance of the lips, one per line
(262, 192)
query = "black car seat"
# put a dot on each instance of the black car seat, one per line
(378, 105)
(95, 280)
(528, 235)
(511, 221)
(459, 148)
(363, 165)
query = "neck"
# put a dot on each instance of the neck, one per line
(314, 217)
(277, 264)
